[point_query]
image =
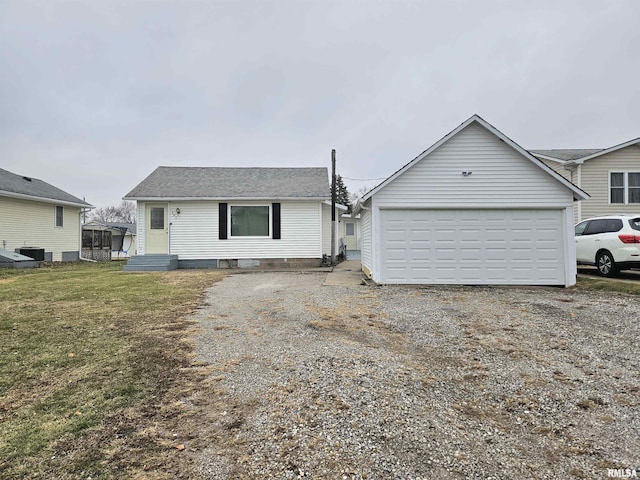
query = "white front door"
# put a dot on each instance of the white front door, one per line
(350, 235)
(156, 228)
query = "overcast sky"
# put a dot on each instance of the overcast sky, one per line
(94, 95)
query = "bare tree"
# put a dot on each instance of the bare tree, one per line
(358, 195)
(123, 213)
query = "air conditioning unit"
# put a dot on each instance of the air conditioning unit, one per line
(33, 252)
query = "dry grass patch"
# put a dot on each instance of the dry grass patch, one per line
(93, 363)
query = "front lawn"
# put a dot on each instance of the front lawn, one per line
(90, 361)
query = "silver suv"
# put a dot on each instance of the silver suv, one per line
(611, 243)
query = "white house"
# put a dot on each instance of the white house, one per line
(227, 217)
(474, 208)
(34, 213)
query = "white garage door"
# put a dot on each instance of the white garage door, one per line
(472, 247)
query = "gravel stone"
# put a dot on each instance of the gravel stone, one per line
(370, 382)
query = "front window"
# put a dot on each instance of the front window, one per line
(59, 216)
(624, 187)
(249, 221)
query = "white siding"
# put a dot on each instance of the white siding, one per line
(595, 181)
(194, 233)
(501, 177)
(475, 247)
(366, 232)
(140, 228)
(29, 223)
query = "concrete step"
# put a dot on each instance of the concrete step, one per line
(151, 263)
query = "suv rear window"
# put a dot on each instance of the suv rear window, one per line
(603, 225)
(635, 223)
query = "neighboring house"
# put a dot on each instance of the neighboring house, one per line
(225, 217)
(120, 240)
(611, 176)
(34, 213)
(474, 208)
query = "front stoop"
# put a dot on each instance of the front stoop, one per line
(151, 263)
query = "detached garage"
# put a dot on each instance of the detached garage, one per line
(475, 209)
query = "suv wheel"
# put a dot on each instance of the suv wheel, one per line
(606, 265)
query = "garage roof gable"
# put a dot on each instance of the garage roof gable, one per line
(578, 194)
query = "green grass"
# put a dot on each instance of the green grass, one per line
(630, 287)
(85, 351)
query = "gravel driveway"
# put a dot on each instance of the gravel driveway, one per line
(406, 382)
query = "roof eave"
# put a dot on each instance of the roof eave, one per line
(547, 157)
(55, 201)
(578, 161)
(218, 199)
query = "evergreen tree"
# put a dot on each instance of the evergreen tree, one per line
(342, 194)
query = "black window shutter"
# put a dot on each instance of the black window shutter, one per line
(222, 221)
(275, 219)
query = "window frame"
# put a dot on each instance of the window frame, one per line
(60, 223)
(625, 187)
(230, 220)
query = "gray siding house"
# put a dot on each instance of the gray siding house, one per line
(227, 217)
(611, 176)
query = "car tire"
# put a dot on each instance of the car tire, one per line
(606, 264)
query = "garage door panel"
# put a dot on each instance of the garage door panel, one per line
(474, 247)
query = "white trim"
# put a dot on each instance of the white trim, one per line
(44, 200)
(239, 237)
(339, 206)
(578, 193)
(570, 265)
(625, 186)
(547, 157)
(55, 216)
(579, 175)
(321, 217)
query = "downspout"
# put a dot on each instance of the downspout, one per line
(579, 175)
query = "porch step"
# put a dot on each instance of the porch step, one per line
(151, 263)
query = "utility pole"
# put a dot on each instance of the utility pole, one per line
(333, 206)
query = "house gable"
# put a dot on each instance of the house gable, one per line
(595, 178)
(497, 174)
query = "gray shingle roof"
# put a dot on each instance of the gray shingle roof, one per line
(566, 154)
(10, 183)
(222, 182)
